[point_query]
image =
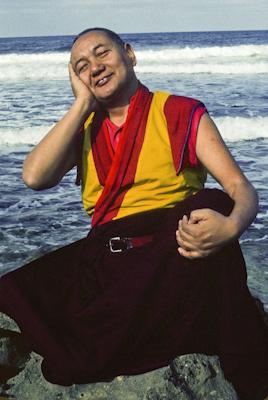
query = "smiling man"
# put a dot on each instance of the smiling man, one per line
(105, 67)
(161, 272)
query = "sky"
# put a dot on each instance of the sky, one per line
(68, 17)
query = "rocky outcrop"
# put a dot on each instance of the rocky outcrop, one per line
(13, 353)
(189, 377)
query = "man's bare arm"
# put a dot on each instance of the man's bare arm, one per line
(58, 151)
(206, 230)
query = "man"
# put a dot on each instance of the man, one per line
(130, 301)
(104, 72)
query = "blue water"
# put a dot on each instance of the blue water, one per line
(228, 71)
(44, 44)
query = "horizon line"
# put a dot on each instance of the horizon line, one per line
(141, 33)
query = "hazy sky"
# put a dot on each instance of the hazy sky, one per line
(64, 17)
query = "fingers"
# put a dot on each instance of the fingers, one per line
(198, 215)
(201, 234)
(70, 68)
(80, 89)
(193, 240)
(199, 226)
(73, 78)
(198, 242)
(72, 73)
(201, 215)
(190, 254)
(184, 240)
(194, 254)
(187, 230)
(183, 237)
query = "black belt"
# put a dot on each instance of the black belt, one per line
(119, 244)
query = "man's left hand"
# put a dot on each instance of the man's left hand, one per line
(203, 233)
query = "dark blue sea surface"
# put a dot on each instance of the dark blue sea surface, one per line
(43, 44)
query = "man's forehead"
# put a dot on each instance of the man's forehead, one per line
(89, 42)
(92, 39)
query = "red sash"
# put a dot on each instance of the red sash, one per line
(116, 172)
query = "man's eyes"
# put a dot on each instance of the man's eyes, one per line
(102, 53)
(82, 68)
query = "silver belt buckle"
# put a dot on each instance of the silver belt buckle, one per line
(119, 239)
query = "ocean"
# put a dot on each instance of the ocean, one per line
(228, 71)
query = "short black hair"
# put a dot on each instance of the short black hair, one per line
(112, 35)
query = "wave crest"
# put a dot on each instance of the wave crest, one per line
(243, 59)
(232, 129)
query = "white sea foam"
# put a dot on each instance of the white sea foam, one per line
(205, 68)
(233, 129)
(237, 128)
(261, 239)
(244, 59)
(192, 53)
(44, 66)
(29, 135)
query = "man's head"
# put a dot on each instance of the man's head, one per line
(104, 63)
(111, 34)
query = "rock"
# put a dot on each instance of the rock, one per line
(7, 323)
(188, 377)
(194, 376)
(13, 354)
(168, 383)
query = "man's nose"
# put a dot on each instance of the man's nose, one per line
(96, 68)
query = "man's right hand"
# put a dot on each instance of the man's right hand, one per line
(81, 91)
(59, 150)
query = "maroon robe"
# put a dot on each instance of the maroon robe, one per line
(93, 314)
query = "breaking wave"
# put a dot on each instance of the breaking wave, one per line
(243, 59)
(232, 129)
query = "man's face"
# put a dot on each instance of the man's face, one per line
(104, 67)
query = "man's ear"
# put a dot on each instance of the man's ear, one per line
(130, 52)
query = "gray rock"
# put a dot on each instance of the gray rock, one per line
(189, 377)
(7, 323)
(194, 377)
(13, 354)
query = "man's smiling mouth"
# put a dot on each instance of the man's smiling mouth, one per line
(103, 81)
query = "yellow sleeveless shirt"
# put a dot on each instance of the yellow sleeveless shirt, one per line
(156, 183)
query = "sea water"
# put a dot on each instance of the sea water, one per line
(228, 71)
